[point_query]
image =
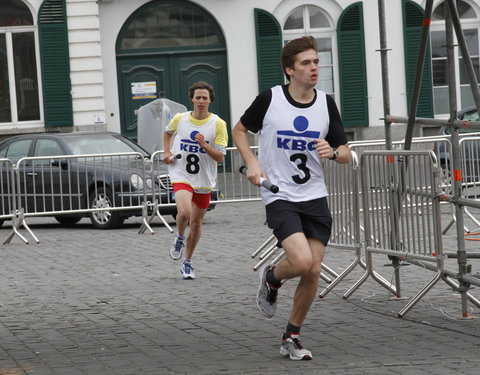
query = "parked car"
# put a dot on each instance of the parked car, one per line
(469, 152)
(60, 186)
(467, 114)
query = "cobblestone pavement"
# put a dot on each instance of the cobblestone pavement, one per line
(87, 301)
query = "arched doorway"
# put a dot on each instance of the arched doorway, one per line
(164, 47)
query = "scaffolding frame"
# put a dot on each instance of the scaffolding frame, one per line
(452, 25)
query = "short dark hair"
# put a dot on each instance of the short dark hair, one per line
(293, 48)
(202, 86)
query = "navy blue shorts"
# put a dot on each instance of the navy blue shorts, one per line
(312, 218)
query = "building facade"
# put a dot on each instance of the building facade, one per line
(69, 65)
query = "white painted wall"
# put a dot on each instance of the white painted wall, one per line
(236, 20)
(112, 15)
(239, 31)
(93, 27)
(86, 66)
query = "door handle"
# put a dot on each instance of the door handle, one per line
(31, 174)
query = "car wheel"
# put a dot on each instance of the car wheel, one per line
(67, 220)
(102, 198)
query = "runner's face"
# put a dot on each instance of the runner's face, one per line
(201, 100)
(305, 69)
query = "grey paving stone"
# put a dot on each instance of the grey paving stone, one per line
(86, 301)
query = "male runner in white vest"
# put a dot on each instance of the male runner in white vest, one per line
(200, 137)
(297, 125)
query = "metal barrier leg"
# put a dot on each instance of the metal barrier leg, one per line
(468, 213)
(420, 295)
(263, 246)
(454, 220)
(449, 225)
(266, 256)
(329, 270)
(341, 276)
(379, 278)
(24, 223)
(355, 286)
(448, 280)
(146, 222)
(270, 254)
(325, 277)
(17, 220)
(370, 272)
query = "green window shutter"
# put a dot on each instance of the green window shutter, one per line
(352, 67)
(412, 32)
(269, 45)
(55, 62)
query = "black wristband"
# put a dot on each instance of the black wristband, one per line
(335, 154)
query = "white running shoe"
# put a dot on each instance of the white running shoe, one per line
(292, 348)
(266, 296)
(187, 271)
(176, 249)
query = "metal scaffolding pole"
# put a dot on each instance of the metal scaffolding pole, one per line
(385, 82)
(462, 260)
(412, 113)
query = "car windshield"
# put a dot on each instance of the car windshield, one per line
(101, 144)
(471, 116)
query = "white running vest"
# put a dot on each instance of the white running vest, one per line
(196, 168)
(287, 152)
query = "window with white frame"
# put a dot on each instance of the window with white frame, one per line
(470, 21)
(19, 93)
(311, 20)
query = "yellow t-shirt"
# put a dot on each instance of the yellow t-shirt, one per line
(221, 135)
(196, 168)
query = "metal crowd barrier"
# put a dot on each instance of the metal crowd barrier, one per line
(8, 209)
(441, 145)
(157, 171)
(400, 205)
(343, 183)
(232, 187)
(56, 186)
(7, 189)
(402, 219)
(71, 186)
(470, 168)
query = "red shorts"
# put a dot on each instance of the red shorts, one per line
(200, 200)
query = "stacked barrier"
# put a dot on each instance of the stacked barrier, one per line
(401, 210)
(343, 186)
(470, 167)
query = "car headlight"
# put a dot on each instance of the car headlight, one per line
(149, 182)
(136, 180)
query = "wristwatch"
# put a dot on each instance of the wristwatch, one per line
(335, 154)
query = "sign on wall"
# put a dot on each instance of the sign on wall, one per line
(144, 90)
